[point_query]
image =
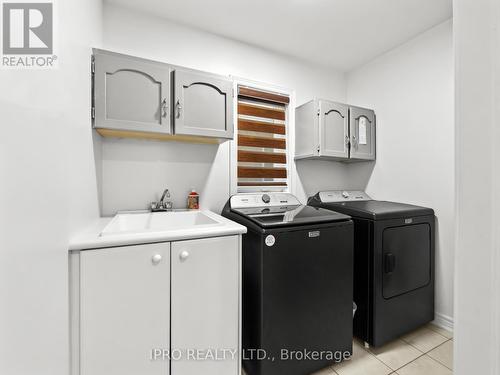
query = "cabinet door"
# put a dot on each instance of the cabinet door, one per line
(334, 131)
(362, 130)
(131, 94)
(124, 310)
(203, 105)
(205, 303)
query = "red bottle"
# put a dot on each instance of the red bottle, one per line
(193, 200)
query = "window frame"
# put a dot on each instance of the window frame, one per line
(289, 136)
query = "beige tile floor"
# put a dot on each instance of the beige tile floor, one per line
(427, 351)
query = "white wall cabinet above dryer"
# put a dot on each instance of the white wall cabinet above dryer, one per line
(336, 131)
(139, 98)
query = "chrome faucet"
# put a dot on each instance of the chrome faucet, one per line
(165, 204)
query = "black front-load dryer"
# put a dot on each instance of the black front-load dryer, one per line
(297, 284)
(393, 263)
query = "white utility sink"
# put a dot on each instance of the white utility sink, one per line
(142, 227)
(150, 222)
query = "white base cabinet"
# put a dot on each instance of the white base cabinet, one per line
(181, 298)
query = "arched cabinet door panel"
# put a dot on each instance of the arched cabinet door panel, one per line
(203, 105)
(334, 129)
(131, 94)
(362, 132)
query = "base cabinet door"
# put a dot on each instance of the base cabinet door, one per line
(205, 306)
(124, 309)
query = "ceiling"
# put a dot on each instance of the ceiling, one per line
(342, 34)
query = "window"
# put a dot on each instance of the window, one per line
(262, 140)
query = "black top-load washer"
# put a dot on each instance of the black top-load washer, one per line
(393, 263)
(297, 284)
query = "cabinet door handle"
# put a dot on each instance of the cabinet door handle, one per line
(156, 259)
(354, 142)
(347, 141)
(178, 106)
(183, 255)
(164, 108)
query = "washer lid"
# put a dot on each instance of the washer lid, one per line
(271, 214)
(290, 216)
(375, 210)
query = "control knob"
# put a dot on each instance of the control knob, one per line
(266, 198)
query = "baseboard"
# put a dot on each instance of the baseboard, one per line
(443, 321)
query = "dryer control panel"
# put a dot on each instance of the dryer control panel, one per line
(263, 200)
(343, 196)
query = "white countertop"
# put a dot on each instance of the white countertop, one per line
(91, 238)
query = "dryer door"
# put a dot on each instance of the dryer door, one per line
(406, 259)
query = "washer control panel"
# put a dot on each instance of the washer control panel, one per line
(263, 199)
(343, 196)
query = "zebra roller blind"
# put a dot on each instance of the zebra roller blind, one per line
(262, 143)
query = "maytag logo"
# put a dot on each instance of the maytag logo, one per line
(28, 35)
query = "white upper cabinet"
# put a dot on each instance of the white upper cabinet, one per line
(131, 94)
(135, 97)
(203, 105)
(336, 131)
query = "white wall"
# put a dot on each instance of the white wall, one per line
(418, 76)
(135, 172)
(411, 89)
(477, 281)
(48, 178)
(48, 190)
